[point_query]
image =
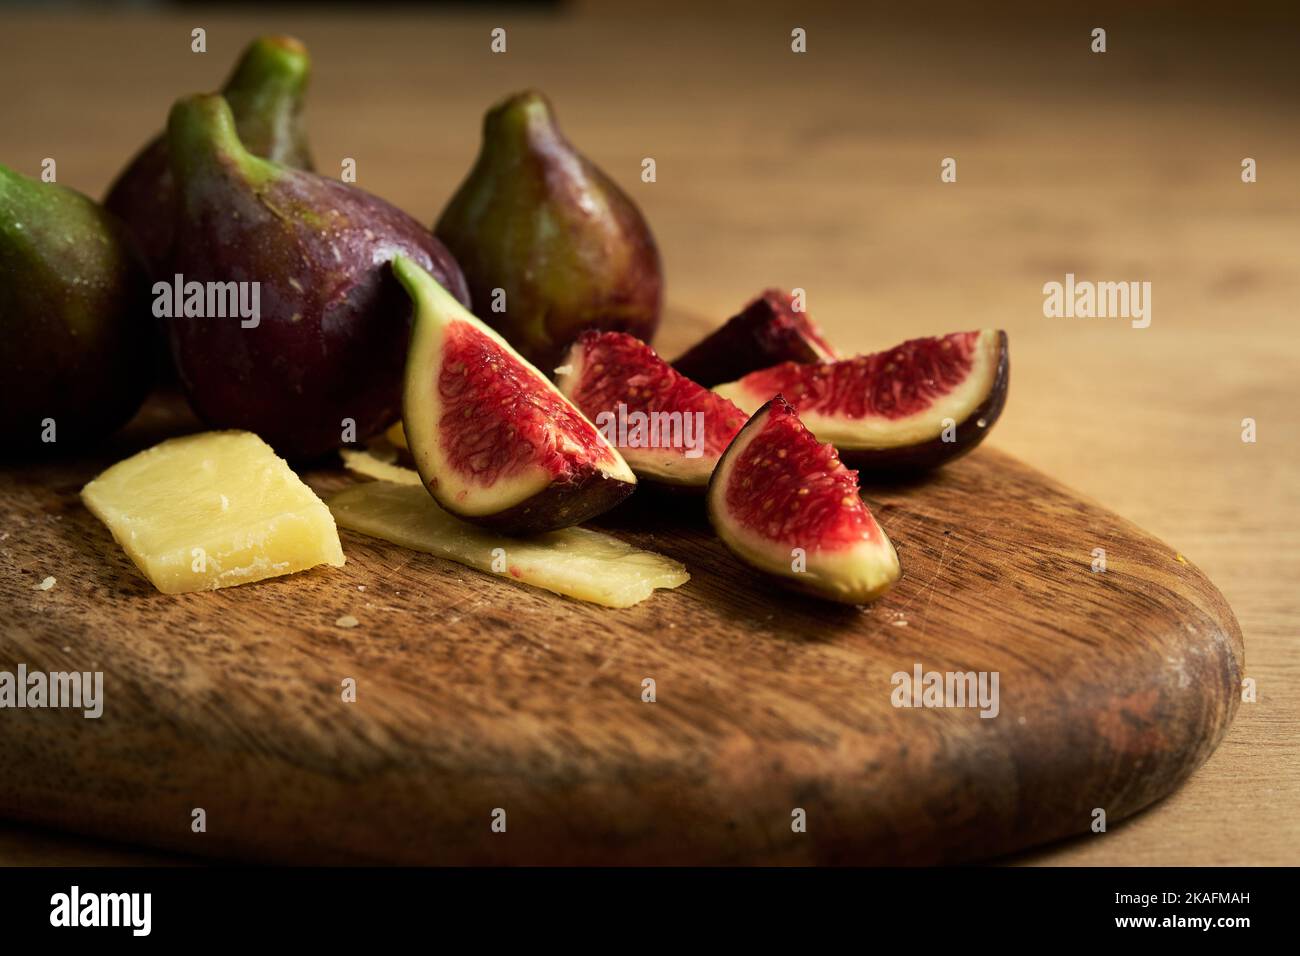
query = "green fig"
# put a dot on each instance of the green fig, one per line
(265, 93)
(538, 221)
(74, 317)
(283, 316)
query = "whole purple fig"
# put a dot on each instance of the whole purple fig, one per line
(565, 247)
(283, 315)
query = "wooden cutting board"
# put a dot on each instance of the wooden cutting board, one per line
(475, 694)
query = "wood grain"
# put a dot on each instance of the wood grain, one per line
(822, 173)
(475, 693)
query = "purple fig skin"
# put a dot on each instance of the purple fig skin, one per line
(887, 464)
(537, 219)
(558, 507)
(334, 325)
(141, 196)
(265, 92)
(766, 332)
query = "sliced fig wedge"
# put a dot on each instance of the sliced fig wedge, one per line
(668, 428)
(493, 440)
(784, 503)
(766, 332)
(915, 406)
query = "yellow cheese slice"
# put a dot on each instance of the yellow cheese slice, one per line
(575, 562)
(212, 510)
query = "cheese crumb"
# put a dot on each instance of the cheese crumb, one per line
(44, 585)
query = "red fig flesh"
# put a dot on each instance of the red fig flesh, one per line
(494, 440)
(668, 428)
(766, 332)
(917, 405)
(785, 504)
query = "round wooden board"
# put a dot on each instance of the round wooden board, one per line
(475, 694)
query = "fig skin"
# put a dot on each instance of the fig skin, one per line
(265, 92)
(537, 219)
(74, 317)
(766, 332)
(907, 460)
(331, 342)
(558, 506)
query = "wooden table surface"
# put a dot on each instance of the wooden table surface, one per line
(822, 171)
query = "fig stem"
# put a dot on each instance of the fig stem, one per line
(271, 66)
(201, 134)
(518, 117)
(266, 90)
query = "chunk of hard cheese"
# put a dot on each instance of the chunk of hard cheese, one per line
(578, 563)
(211, 510)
